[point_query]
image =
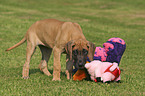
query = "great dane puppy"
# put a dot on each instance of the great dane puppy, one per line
(59, 37)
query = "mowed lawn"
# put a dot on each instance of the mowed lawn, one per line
(99, 19)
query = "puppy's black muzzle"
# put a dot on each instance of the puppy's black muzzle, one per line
(80, 58)
(80, 63)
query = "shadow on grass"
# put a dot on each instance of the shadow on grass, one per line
(121, 70)
(33, 71)
(17, 71)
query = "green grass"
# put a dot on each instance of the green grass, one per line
(99, 19)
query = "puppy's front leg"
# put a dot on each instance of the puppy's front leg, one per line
(56, 65)
(69, 67)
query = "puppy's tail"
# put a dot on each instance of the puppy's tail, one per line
(18, 44)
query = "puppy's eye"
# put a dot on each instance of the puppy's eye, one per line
(75, 52)
(85, 52)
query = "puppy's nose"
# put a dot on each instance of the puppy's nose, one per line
(80, 63)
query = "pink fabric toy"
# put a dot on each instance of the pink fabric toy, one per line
(100, 54)
(103, 71)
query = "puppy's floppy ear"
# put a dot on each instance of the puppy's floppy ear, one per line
(91, 50)
(68, 48)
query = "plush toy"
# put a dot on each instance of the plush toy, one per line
(79, 75)
(100, 54)
(103, 71)
(114, 49)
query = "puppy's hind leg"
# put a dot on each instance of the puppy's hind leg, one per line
(30, 50)
(46, 52)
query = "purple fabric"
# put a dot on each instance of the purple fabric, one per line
(112, 51)
(115, 53)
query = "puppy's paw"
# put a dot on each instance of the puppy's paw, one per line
(56, 79)
(25, 77)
